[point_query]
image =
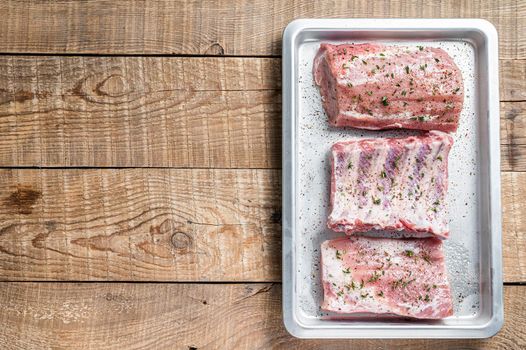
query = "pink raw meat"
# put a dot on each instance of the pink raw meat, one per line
(405, 277)
(391, 184)
(372, 86)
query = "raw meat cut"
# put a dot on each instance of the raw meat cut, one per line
(405, 277)
(372, 86)
(391, 184)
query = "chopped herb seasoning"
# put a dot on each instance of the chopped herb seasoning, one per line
(384, 101)
(423, 66)
(353, 58)
(347, 270)
(434, 209)
(403, 93)
(436, 202)
(381, 294)
(338, 255)
(362, 284)
(422, 118)
(409, 253)
(407, 69)
(364, 62)
(376, 201)
(392, 75)
(381, 54)
(397, 84)
(405, 103)
(421, 48)
(349, 166)
(426, 299)
(437, 60)
(439, 158)
(456, 90)
(374, 277)
(340, 293)
(378, 67)
(349, 84)
(383, 175)
(353, 286)
(363, 296)
(370, 93)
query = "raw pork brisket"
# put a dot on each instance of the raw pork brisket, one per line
(405, 277)
(391, 184)
(373, 86)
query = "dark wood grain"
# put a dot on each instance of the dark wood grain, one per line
(140, 225)
(235, 27)
(183, 316)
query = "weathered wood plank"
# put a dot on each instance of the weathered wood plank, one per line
(183, 316)
(167, 225)
(512, 80)
(135, 111)
(140, 225)
(239, 27)
(513, 136)
(165, 112)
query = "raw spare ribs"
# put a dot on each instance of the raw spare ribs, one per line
(373, 86)
(391, 184)
(405, 277)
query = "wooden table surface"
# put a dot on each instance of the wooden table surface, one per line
(140, 196)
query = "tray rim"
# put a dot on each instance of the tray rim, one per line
(490, 37)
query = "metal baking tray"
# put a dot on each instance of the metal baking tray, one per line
(473, 252)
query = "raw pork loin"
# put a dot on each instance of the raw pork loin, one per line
(405, 277)
(391, 184)
(373, 86)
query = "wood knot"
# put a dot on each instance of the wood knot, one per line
(112, 86)
(181, 241)
(23, 199)
(215, 49)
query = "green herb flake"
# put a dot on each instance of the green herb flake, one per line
(349, 85)
(384, 101)
(422, 118)
(381, 54)
(362, 284)
(421, 48)
(374, 277)
(347, 270)
(353, 58)
(456, 90)
(370, 93)
(423, 67)
(349, 166)
(439, 158)
(381, 294)
(407, 69)
(403, 93)
(338, 255)
(383, 174)
(353, 286)
(364, 62)
(392, 75)
(437, 60)
(426, 299)
(376, 201)
(405, 103)
(409, 253)
(363, 296)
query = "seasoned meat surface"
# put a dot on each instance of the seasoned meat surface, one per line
(405, 277)
(373, 86)
(391, 184)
